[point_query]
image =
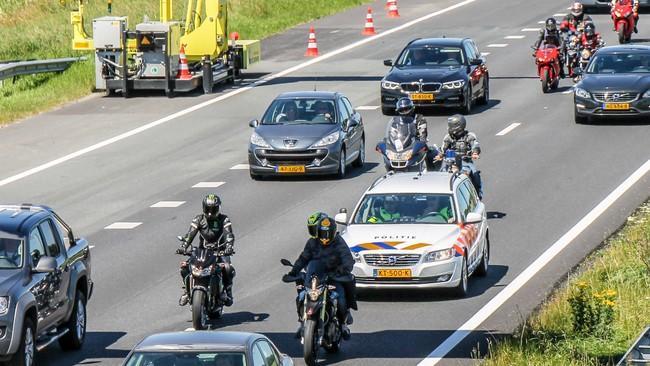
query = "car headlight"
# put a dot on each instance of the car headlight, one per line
(456, 84)
(646, 94)
(327, 140)
(389, 85)
(4, 305)
(258, 140)
(582, 93)
(439, 255)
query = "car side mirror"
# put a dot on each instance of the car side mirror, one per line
(254, 123)
(286, 360)
(388, 62)
(341, 218)
(476, 62)
(45, 265)
(352, 122)
(473, 218)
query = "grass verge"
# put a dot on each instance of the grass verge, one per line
(596, 315)
(39, 29)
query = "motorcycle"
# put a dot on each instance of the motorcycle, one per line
(454, 163)
(205, 281)
(401, 148)
(623, 17)
(572, 42)
(318, 302)
(547, 58)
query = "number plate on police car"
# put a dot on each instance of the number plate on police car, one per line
(393, 273)
(421, 96)
(617, 106)
(290, 169)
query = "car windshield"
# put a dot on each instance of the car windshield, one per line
(409, 208)
(11, 251)
(187, 359)
(431, 56)
(300, 111)
(620, 63)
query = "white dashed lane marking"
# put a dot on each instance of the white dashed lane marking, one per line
(485, 53)
(497, 45)
(123, 225)
(167, 204)
(208, 184)
(367, 107)
(559, 14)
(530, 29)
(514, 37)
(240, 167)
(508, 129)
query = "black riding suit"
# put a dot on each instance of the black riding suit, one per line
(465, 145)
(211, 231)
(337, 259)
(555, 39)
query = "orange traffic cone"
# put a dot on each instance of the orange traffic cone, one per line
(312, 47)
(369, 30)
(183, 69)
(392, 9)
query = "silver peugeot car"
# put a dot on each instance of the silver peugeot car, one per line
(311, 132)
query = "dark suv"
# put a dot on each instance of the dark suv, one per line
(44, 283)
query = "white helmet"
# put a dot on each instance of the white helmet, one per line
(576, 9)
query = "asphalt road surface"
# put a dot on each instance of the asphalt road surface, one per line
(540, 179)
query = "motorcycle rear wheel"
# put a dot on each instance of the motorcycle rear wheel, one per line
(199, 314)
(310, 342)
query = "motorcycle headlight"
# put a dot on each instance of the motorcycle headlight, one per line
(582, 93)
(439, 255)
(618, 14)
(201, 272)
(327, 140)
(391, 155)
(646, 94)
(258, 140)
(456, 84)
(314, 294)
(406, 155)
(389, 85)
(4, 305)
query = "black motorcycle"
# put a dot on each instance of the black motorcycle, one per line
(205, 281)
(452, 162)
(318, 302)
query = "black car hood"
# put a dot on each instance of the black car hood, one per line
(305, 134)
(616, 82)
(438, 74)
(8, 278)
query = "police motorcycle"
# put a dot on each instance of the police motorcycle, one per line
(401, 147)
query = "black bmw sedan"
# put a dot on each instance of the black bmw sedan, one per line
(615, 84)
(437, 72)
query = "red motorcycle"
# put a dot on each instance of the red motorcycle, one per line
(623, 17)
(547, 58)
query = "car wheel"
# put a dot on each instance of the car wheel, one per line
(482, 269)
(485, 98)
(467, 107)
(387, 111)
(461, 289)
(76, 325)
(578, 118)
(358, 162)
(342, 160)
(27, 347)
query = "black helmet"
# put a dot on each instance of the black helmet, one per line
(590, 29)
(551, 24)
(404, 106)
(326, 230)
(312, 223)
(456, 125)
(211, 206)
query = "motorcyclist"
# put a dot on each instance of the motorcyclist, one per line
(388, 211)
(635, 9)
(551, 36)
(576, 19)
(333, 253)
(214, 228)
(405, 108)
(466, 145)
(591, 39)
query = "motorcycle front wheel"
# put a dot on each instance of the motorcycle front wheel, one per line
(621, 35)
(546, 79)
(310, 342)
(199, 315)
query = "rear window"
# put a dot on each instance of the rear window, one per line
(172, 358)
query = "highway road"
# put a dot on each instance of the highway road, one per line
(117, 158)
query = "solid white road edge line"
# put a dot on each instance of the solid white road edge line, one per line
(508, 129)
(196, 107)
(474, 322)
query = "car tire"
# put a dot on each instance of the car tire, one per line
(483, 267)
(467, 107)
(27, 347)
(579, 119)
(76, 325)
(342, 166)
(462, 288)
(387, 111)
(485, 98)
(358, 162)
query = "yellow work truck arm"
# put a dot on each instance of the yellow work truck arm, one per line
(80, 40)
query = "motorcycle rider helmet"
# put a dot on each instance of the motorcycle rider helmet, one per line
(326, 230)
(211, 206)
(590, 30)
(577, 9)
(312, 223)
(551, 25)
(456, 125)
(405, 106)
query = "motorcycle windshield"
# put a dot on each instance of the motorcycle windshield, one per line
(400, 133)
(318, 269)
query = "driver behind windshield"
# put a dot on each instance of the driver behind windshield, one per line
(323, 112)
(387, 211)
(289, 112)
(10, 252)
(439, 206)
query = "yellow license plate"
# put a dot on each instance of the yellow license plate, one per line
(617, 106)
(421, 96)
(393, 273)
(291, 169)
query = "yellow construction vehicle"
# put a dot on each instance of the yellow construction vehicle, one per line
(149, 57)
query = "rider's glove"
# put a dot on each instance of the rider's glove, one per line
(229, 250)
(181, 250)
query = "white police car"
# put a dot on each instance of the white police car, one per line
(413, 230)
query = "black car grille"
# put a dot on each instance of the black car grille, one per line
(276, 157)
(431, 87)
(392, 260)
(410, 87)
(615, 97)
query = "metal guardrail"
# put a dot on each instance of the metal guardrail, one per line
(639, 353)
(13, 69)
